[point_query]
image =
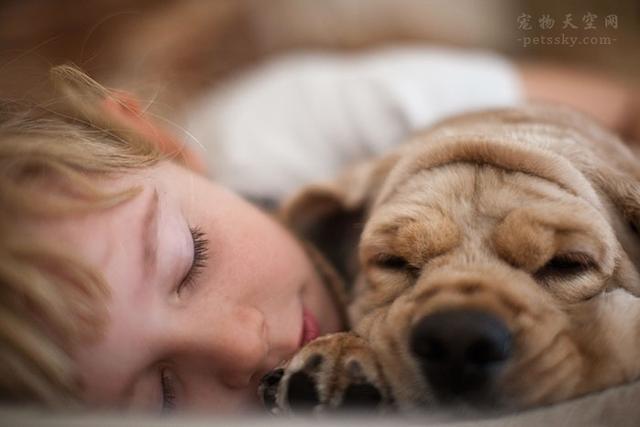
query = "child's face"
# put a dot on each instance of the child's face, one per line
(204, 341)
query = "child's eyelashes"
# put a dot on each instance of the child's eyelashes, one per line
(198, 263)
(168, 386)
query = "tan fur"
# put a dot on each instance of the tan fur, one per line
(477, 206)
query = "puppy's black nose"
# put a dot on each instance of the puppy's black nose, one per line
(461, 351)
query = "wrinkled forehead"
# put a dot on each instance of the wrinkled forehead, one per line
(472, 198)
(473, 189)
(471, 186)
(480, 153)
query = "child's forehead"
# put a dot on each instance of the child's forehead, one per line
(77, 224)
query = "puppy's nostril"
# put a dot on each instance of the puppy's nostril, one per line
(430, 348)
(486, 351)
(460, 350)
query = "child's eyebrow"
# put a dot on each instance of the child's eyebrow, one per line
(150, 235)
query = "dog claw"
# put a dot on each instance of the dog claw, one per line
(335, 372)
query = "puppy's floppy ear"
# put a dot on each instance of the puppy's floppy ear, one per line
(620, 183)
(331, 215)
(624, 191)
(614, 169)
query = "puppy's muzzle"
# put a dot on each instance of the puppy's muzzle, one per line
(461, 352)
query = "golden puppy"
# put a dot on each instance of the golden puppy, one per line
(497, 265)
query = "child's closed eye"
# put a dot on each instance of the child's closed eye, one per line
(198, 263)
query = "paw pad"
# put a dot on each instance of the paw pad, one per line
(302, 394)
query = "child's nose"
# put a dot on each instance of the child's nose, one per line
(245, 345)
(234, 342)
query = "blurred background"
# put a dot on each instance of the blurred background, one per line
(173, 49)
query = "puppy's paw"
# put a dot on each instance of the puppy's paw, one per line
(334, 372)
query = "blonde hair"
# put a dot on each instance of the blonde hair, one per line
(50, 165)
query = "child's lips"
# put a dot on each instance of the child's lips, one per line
(310, 327)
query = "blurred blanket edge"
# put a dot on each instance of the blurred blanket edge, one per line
(619, 406)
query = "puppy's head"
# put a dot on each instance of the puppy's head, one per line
(494, 258)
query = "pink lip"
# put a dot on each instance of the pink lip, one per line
(310, 327)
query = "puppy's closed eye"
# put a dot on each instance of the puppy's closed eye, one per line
(395, 263)
(566, 266)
